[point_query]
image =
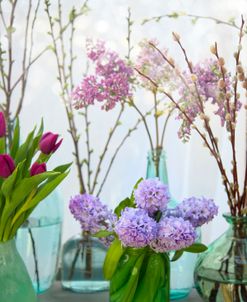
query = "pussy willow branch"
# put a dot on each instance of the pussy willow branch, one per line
(207, 143)
(176, 15)
(213, 141)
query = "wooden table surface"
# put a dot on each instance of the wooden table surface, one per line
(57, 294)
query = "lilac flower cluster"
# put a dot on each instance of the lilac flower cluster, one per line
(206, 76)
(197, 210)
(110, 82)
(151, 63)
(91, 213)
(173, 234)
(152, 195)
(135, 228)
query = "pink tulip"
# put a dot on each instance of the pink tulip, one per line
(48, 143)
(7, 165)
(37, 168)
(2, 125)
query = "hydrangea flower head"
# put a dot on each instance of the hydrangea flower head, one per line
(197, 210)
(135, 228)
(152, 195)
(173, 234)
(110, 81)
(91, 213)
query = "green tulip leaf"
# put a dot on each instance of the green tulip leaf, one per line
(16, 139)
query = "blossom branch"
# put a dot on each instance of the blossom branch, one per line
(62, 78)
(207, 143)
(176, 15)
(134, 128)
(101, 157)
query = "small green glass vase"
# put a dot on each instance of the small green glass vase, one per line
(221, 272)
(181, 270)
(141, 275)
(15, 283)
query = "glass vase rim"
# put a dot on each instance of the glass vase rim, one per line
(235, 219)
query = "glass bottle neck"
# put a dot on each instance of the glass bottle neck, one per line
(156, 166)
(238, 225)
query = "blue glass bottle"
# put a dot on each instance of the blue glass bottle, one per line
(39, 241)
(182, 270)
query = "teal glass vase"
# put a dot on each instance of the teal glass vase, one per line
(15, 283)
(82, 265)
(182, 270)
(221, 271)
(39, 241)
(141, 275)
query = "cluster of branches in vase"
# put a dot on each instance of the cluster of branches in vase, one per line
(228, 102)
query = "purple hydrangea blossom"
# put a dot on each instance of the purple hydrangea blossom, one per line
(152, 195)
(110, 82)
(173, 234)
(91, 213)
(135, 228)
(197, 210)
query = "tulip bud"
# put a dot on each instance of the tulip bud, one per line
(37, 168)
(7, 165)
(48, 143)
(2, 125)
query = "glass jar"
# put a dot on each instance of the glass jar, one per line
(15, 283)
(82, 264)
(221, 272)
(181, 270)
(39, 241)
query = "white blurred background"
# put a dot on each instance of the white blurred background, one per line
(191, 170)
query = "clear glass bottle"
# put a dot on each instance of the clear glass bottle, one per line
(181, 279)
(39, 242)
(82, 264)
(221, 272)
(15, 283)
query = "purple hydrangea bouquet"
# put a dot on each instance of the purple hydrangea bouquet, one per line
(141, 232)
